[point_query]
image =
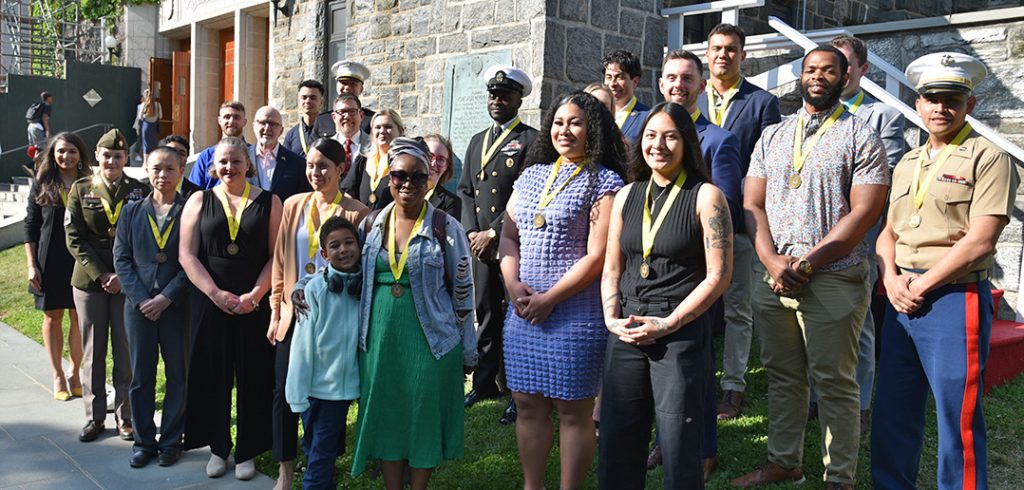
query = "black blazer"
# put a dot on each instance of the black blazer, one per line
(135, 249)
(42, 225)
(289, 175)
(485, 194)
(447, 201)
(751, 111)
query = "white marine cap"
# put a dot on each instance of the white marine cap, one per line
(946, 72)
(507, 77)
(350, 69)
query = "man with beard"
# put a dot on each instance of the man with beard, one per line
(681, 82)
(622, 76)
(350, 77)
(300, 136)
(744, 110)
(278, 170)
(493, 161)
(231, 120)
(817, 182)
(950, 200)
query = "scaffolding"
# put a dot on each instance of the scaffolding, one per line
(38, 37)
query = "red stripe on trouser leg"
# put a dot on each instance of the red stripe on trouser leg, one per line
(970, 387)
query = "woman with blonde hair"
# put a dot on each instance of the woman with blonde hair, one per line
(367, 179)
(149, 114)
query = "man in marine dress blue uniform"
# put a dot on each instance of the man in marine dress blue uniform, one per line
(350, 77)
(950, 200)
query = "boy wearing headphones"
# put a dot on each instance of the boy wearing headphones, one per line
(323, 374)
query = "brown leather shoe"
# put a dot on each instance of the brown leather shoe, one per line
(91, 431)
(729, 407)
(769, 473)
(710, 466)
(865, 422)
(839, 486)
(125, 432)
(654, 458)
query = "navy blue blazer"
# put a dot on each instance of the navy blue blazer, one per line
(634, 122)
(289, 175)
(135, 249)
(721, 151)
(751, 111)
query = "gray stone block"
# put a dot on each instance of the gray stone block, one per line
(631, 23)
(421, 48)
(554, 50)
(478, 14)
(452, 43)
(573, 10)
(655, 40)
(500, 36)
(613, 43)
(583, 56)
(604, 16)
(403, 72)
(644, 5)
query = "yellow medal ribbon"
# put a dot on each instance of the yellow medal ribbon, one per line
(234, 221)
(430, 193)
(799, 155)
(649, 231)
(112, 216)
(302, 137)
(545, 197)
(314, 231)
(398, 266)
(623, 115)
(377, 174)
(853, 106)
(718, 115)
(696, 114)
(918, 190)
(161, 238)
(63, 195)
(487, 150)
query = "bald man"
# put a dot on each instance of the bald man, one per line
(278, 169)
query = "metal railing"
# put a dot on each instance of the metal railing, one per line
(104, 127)
(39, 40)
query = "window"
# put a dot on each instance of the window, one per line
(337, 20)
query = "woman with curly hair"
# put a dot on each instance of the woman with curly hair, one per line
(552, 250)
(65, 160)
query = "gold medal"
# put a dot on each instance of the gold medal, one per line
(310, 268)
(373, 198)
(232, 248)
(111, 231)
(396, 290)
(645, 270)
(915, 220)
(539, 221)
(161, 238)
(510, 162)
(795, 181)
(161, 257)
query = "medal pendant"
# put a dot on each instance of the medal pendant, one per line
(397, 290)
(161, 257)
(645, 270)
(310, 268)
(509, 163)
(232, 248)
(373, 198)
(539, 221)
(915, 220)
(795, 181)
(111, 231)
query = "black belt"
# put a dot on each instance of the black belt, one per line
(969, 278)
(650, 301)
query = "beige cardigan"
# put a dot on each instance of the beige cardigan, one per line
(285, 272)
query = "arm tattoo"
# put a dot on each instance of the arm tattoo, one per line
(721, 228)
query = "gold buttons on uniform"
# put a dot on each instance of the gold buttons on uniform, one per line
(494, 173)
(478, 209)
(478, 192)
(494, 191)
(493, 209)
(509, 163)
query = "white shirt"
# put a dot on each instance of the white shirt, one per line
(265, 166)
(357, 143)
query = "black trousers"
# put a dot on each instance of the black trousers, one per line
(167, 338)
(490, 318)
(664, 381)
(285, 423)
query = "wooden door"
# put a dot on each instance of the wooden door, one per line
(180, 93)
(160, 76)
(227, 75)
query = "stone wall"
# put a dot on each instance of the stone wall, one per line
(1000, 106)
(299, 53)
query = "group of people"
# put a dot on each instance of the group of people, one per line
(589, 260)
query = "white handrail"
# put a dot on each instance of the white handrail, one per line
(893, 100)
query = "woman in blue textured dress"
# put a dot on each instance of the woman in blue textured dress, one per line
(552, 250)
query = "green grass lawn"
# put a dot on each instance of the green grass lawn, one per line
(491, 460)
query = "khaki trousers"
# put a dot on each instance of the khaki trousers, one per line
(101, 318)
(815, 332)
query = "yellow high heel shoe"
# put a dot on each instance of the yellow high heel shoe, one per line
(59, 394)
(75, 390)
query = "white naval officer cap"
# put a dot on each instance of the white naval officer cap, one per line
(350, 69)
(945, 72)
(507, 77)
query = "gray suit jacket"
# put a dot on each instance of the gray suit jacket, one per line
(888, 122)
(135, 252)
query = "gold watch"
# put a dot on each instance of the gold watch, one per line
(804, 266)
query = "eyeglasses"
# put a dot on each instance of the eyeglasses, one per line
(346, 112)
(438, 161)
(267, 122)
(399, 177)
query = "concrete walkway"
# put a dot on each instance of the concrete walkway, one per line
(39, 445)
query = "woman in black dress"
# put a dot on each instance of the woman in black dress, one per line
(669, 258)
(65, 160)
(441, 171)
(367, 180)
(227, 237)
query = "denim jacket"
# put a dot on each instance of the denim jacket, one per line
(447, 320)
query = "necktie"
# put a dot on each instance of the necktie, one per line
(495, 133)
(348, 151)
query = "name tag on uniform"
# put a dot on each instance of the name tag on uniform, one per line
(512, 147)
(954, 179)
(136, 194)
(91, 200)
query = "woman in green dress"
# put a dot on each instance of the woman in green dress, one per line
(417, 303)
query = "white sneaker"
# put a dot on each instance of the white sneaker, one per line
(245, 470)
(216, 467)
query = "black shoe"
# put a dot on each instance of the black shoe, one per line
(139, 459)
(91, 431)
(168, 457)
(510, 414)
(475, 397)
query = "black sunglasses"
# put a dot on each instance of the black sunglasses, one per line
(399, 177)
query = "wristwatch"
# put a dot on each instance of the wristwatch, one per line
(492, 234)
(804, 266)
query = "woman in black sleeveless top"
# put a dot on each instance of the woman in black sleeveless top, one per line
(660, 343)
(231, 311)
